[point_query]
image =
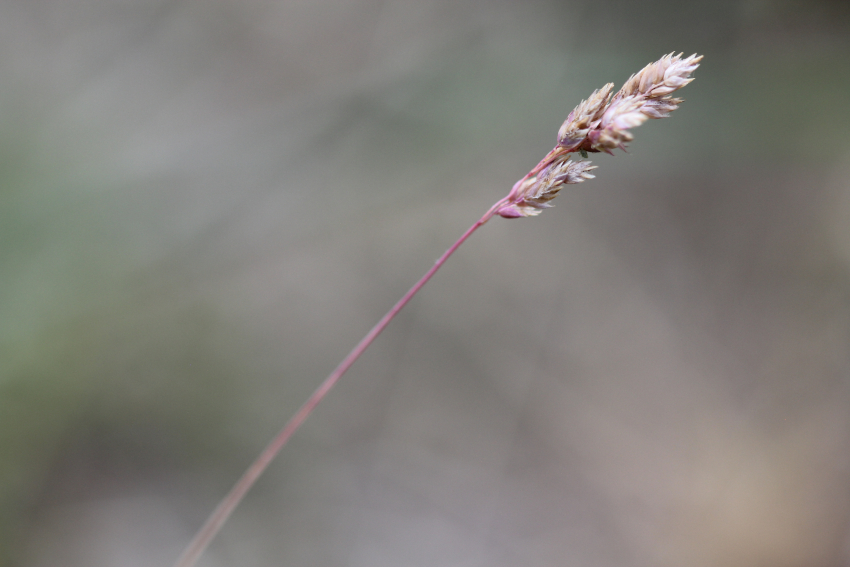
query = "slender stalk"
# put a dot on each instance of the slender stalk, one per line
(599, 124)
(216, 520)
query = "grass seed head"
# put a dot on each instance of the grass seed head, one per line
(602, 123)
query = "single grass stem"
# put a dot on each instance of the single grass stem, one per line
(601, 123)
(216, 520)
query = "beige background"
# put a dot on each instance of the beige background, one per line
(204, 205)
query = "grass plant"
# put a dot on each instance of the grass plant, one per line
(602, 123)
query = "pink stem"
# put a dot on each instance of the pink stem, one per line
(226, 507)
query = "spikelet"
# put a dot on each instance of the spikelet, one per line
(531, 195)
(584, 117)
(600, 124)
(645, 95)
(659, 79)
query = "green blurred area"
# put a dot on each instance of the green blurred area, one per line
(204, 206)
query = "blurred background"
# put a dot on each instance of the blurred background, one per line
(205, 205)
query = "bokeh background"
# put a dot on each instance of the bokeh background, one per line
(204, 205)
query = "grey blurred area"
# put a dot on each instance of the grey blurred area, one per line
(205, 205)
